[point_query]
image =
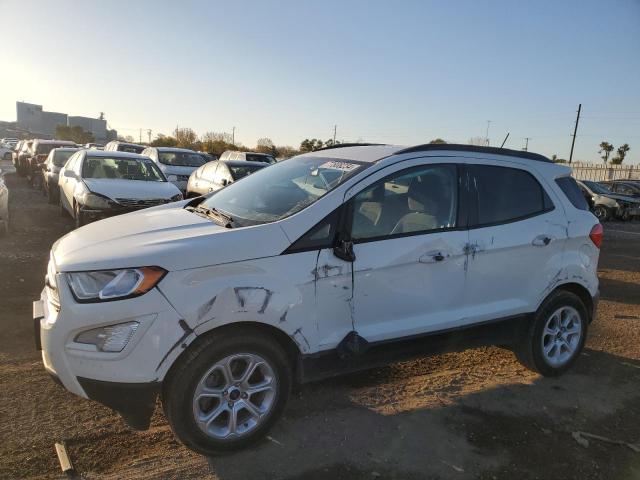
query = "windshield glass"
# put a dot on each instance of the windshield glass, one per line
(181, 159)
(260, 158)
(281, 190)
(596, 187)
(45, 148)
(124, 147)
(60, 157)
(122, 169)
(242, 171)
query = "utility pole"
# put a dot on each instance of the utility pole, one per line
(526, 145)
(140, 140)
(575, 130)
(505, 140)
(233, 136)
(487, 135)
(149, 134)
(335, 129)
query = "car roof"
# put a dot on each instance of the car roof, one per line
(61, 142)
(115, 153)
(243, 163)
(360, 153)
(66, 149)
(123, 143)
(174, 149)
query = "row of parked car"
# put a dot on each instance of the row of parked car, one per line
(92, 181)
(613, 199)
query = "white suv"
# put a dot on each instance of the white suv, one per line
(333, 261)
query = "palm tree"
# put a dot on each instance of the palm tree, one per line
(622, 152)
(605, 150)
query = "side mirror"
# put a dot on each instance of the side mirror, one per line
(69, 174)
(343, 249)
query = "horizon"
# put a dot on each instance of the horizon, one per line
(294, 71)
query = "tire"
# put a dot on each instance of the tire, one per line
(602, 213)
(531, 349)
(199, 365)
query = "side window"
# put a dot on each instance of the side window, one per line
(77, 166)
(507, 194)
(576, 194)
(71, 162)
(322, 235)
(420, 199)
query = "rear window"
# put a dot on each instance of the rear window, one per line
(130, 148)
(181, 159)
(508, 194)
(571, 189)
(242, 171)
(61, 157)
(45, 148)
(260, 158)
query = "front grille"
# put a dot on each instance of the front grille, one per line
(141, 202)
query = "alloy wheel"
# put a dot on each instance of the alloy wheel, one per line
(561, 336)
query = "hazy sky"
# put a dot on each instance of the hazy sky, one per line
(394, 72)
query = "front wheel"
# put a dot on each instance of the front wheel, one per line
(602, 213)
(556, 336)
(227, 392)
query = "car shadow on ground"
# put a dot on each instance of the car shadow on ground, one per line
(342, 429)
(619, 291)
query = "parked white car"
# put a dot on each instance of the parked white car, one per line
(333, 261)
(96, 184)
(176, 163)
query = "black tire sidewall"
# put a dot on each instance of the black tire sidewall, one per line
(535, 338)
(605, 213)
(180, 385)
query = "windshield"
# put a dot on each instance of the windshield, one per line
(61, 157)
(181, 159)
(45, 148)
(124, 147)
(596, 187)
(281, 190)
(238, 172)
(260, 158)
(122, 169)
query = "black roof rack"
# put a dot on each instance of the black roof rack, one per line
(341, 145)
(476, 149)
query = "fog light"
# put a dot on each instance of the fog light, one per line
(112, 338)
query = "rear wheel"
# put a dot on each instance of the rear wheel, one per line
(556, 337)
(227, 392)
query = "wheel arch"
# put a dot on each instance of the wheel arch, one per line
(581, 292)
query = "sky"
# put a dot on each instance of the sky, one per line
(402, 72)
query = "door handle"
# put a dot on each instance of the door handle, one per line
(433, 257)
(542, 240)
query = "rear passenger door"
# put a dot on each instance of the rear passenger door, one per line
(517, 235)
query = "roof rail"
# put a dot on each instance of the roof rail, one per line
(341, 145)
(477, 149)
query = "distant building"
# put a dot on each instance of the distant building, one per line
(31, 118)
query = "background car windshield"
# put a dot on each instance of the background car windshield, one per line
(242, 171)
(260, 158)
(121, 169)
(45, 148)
(181, 159)
(61, 157)
(595, 187)
(282, 189)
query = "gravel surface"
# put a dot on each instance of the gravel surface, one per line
(476, 414)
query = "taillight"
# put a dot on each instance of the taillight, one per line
(596, 234)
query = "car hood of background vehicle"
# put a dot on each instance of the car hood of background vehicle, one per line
(167, 236)
(624, 198)
(138, 189)
(176, 169)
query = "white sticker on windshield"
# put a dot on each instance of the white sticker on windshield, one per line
(344, 166)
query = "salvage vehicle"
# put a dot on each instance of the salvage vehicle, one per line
(40, 151)
(608, 205)
(630, 188)
(334, 261)
(21, 156)
(95, 184)
(6, 151)
(50, 170)
(213, 176)
(248, 156)
(4, 205)
(176, 163)
(118, 146)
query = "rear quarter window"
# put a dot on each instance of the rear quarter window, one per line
(572, 191)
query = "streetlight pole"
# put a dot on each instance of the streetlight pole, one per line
(487, 135)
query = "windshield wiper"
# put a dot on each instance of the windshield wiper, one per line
(210, 212)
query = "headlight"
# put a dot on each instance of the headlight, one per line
(176, 198)
(93, 200)
(105, 285)
(172, 178)
(112, 338)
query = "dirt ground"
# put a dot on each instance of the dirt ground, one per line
(477, 414)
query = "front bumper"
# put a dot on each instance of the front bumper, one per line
(126, 381)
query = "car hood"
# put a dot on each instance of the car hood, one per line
(624, 198)
(176, 170)
(167, 236)
(137, 189)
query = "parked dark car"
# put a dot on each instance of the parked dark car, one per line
(51, 168)
(39, 153)
(608, 205)
(623, 187)
(21, 156)
(213, 176)
(248, 156)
